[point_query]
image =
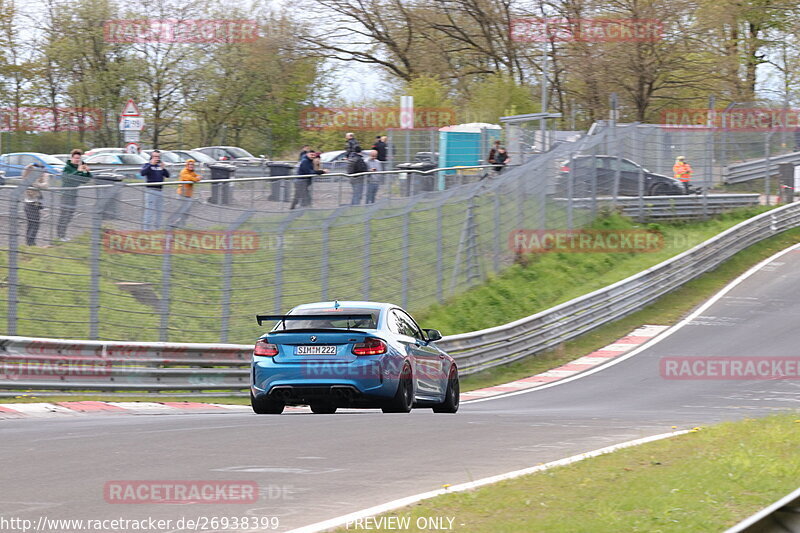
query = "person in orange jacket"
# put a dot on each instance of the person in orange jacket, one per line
(185, 189)
(682, 171)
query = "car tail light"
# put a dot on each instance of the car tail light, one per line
(565, 168)
(265, 349)
(370, 346)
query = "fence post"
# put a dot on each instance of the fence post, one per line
(367, 255)
(282, 227)
(439, 256)
(94, 257)
(766, 166)
(496, 243)
(570, 191)
(166, 287)
(227, 274)
(406, 245)
(325, 269)
(13, 251)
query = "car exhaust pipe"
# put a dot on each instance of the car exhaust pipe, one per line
(345, 394)
(282, 394)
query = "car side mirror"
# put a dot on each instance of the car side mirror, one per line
(433, 335)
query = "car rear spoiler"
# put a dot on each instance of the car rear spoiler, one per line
(329, 316)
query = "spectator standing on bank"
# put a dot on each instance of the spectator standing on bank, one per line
(154, 172)
(356, 165)
(302, 194)
(493, 153)
(33, 202)
(350, 144)
(75, 174)
(373, 180)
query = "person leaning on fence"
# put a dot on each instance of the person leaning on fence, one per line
(185, 191)
(682, 171)
(74, 174)
(33, 202)
(356, 165)
(154, 172)
(350, 143)
(501, 158)
(373, 180)
(302, 194)
(493, 153)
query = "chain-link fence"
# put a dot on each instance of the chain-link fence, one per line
(122, 261)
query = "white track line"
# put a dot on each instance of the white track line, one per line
(654, 340)
(403, 502)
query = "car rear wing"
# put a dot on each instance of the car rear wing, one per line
(329, 316)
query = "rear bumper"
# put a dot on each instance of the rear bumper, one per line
(363, 381)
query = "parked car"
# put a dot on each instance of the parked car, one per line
(229, 153)
(200, 157)
(63, 157)
(167, 156)
(585, 167)
(335, 161)
(95, 151)
(129, 165)
(351, 354)
(13, 164)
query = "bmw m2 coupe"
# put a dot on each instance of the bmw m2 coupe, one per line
(351, 354)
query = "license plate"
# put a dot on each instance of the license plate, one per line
(315, 350)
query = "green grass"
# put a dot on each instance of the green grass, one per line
(706, 480)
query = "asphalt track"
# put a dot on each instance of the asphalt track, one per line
(314, 467)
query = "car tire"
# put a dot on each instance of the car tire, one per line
(659, 189)
(452, 397)
(404, 397)
(265, 406)
(322, 408)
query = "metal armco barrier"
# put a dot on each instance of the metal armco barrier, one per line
(220, 367)
(669, 207)
(755, 169)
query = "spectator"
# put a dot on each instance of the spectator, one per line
(33, 202)
(154, 172)
(303, 151)
(381, 148)
(350, 144)
(75, 174)
(493, 153)
(302, 194)
(683, 172)
(356, 165)
(373, 180)
(501, 158)
(185, 191)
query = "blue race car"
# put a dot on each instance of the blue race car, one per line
(351, 354)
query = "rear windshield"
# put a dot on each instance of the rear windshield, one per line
(334, 322)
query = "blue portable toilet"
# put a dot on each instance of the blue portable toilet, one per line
(465, 145)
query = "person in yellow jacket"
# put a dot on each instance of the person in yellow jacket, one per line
(682, 171)
(185, 189)
(187, 174)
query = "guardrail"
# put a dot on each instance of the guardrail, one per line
(757, 168)
(668, 207)
(781, 517)
(34, 363)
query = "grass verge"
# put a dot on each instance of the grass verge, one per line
(705, 480)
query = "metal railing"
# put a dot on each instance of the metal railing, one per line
(119, 366)
(757, 168)
(100, 264)
(782, 516)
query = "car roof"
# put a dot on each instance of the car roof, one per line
(348, 303)
(26, 153)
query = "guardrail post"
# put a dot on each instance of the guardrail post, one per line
(227, 274)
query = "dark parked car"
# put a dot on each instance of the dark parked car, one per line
(585, 167)
(129, 165)
(247, 165)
